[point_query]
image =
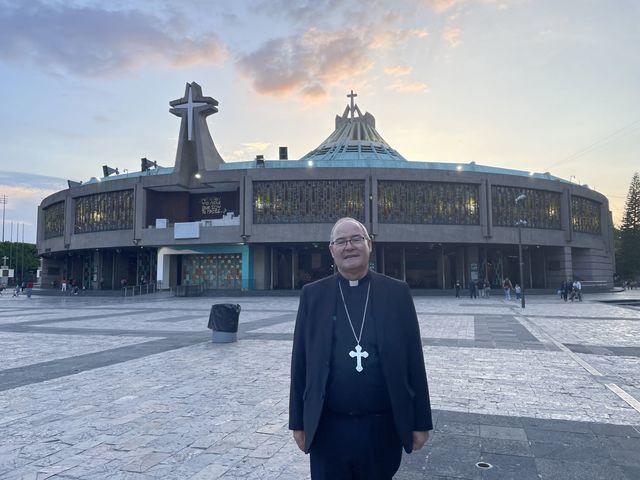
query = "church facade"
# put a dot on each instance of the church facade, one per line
(264, 224)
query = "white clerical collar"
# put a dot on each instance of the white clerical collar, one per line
(355, 283)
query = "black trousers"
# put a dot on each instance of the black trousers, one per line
(362, 447)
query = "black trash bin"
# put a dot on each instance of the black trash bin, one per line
(223, 321)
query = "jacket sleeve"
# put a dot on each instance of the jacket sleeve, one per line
(417, 372)
(298, 368)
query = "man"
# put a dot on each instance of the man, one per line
(358, 383)
(577, 285)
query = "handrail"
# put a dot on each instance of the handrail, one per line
(140, 289)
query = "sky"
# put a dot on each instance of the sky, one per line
(535, 85)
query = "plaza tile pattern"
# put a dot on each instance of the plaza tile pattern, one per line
(97, 388)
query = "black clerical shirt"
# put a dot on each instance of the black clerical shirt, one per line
(349, 391)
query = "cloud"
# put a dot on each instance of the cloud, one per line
(309, 63)
(394, 38)
(398, 70)
(91, 41)
(248, 151)
(409, 87)
(101, 119)
(452, 36)
(300, 11)
(444, 5)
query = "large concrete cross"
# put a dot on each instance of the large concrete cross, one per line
(190, 105)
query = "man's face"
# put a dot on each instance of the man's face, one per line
(350, 259)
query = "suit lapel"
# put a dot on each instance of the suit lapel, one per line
(327, 315)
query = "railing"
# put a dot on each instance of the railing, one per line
(139, 289)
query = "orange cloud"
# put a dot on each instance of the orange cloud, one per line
(398, 70)
(409, 87)
(307, 64)
(452, 36)
(248, 151)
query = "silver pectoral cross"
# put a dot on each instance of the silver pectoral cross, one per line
(359, 354)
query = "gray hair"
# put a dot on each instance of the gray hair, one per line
(342, 220)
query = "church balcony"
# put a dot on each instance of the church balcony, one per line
(221, 231)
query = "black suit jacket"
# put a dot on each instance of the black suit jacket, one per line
(396, 323)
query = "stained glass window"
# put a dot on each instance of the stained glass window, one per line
(585, 215)
(104, 211)
(428, 203)
(54, 220)
(307, 201)
(221, 271)
(540, 208)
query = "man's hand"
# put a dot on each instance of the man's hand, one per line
(419, 439)
(298, 436)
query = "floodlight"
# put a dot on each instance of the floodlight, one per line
(106, 171)
(146, 164)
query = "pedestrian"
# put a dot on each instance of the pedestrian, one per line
(518, 291)
(487, 289)
(16, 290)
(359, 389)
(566, 288)
(507, 286)
(481, 288)
(458, 287)
(29, 288)
(577, 290)
(473, 292)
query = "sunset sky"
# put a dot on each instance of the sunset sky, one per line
(548, 85)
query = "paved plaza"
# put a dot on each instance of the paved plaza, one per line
(114, 388)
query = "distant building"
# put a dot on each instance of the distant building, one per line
(264, 224)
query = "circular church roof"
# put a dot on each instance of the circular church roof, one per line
(354, 138)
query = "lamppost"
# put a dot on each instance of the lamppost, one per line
(520, 223)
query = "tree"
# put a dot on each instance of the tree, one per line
(630, 232)
(22, 257)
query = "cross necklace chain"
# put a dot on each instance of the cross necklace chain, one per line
(358, 354)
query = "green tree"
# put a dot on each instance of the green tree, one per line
(22, 257)
(629, 261)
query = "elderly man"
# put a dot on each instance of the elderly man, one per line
(358, 383)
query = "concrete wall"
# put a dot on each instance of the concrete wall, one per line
(166, 195)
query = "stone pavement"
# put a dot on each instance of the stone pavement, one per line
(97, 388)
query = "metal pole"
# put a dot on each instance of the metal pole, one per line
(11, 250)
(3, 201)
(521, 198)
(22, 251)
(520, 259)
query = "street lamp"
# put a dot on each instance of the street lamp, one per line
(520, 223)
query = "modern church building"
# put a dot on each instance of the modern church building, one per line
(264, 224)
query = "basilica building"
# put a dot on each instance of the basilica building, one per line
(263, 224)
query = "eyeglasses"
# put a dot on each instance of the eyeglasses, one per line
(355, 241)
